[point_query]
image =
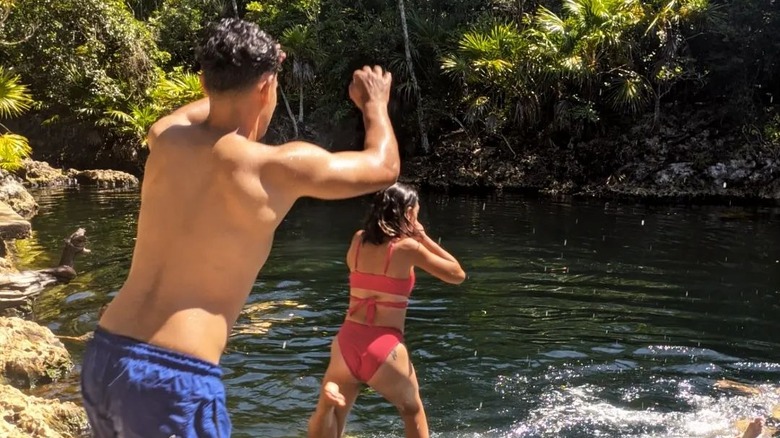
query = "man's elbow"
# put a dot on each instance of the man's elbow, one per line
(391, 173)
(384, 175)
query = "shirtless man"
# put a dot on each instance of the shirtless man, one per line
(211, 200)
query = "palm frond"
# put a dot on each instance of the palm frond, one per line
(176, 88)
(14, 149)
(628, 92)
(118, 116)
(455, 66)
(549, 21)
(15, 98)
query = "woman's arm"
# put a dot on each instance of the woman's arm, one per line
(433, 259)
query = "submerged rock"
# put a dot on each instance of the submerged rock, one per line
(30, 354)
(104, 178)
(27, 416)
(13, 193)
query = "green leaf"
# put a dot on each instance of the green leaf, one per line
(14, 149)
(15, 99)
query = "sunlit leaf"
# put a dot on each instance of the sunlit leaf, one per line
(14, 149)
(15, 99)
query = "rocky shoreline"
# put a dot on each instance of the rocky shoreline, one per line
(30, 354)
(690, 158)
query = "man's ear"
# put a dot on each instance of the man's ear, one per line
(266, 86)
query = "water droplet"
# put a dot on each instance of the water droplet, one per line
(483, 206)
(724, 184)
(565, 241)
(643, 222)
(475, 353)
(284, 345)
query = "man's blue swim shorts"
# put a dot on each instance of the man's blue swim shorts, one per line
(132, 389)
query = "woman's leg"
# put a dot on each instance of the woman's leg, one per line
(396, 381)
(337, 395)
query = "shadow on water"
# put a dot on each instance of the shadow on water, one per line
(577, 320)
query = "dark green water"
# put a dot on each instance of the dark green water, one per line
(657, 304)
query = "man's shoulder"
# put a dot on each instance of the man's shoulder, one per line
(168, 129)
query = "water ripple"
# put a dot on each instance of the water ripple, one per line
(577, 320)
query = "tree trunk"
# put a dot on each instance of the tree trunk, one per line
(410, 65)
(657, 108)
(300, 104)
(235, 9)
(289, 111)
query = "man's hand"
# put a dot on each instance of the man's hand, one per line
(370, 85)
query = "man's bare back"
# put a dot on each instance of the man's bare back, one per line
(212, 199)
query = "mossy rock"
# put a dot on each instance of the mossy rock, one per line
(104, 178)
(30, 354)
(22, 415)
(41, 174)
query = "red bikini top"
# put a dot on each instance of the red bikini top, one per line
(381, 282)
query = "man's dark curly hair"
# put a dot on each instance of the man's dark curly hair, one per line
(234, 54)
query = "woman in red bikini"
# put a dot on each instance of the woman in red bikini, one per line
(369, 347)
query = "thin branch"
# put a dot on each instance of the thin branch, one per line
(514, 155)
(24, 39)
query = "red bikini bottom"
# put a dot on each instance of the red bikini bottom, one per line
(366, 347)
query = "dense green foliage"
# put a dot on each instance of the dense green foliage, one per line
(522, 74)
(14, 100)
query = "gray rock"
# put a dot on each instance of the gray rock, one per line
(13, 193)
(41, 174)
(674, 174)
(12, 226)
(104, 178)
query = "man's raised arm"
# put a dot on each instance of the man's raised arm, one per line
(314, 172)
